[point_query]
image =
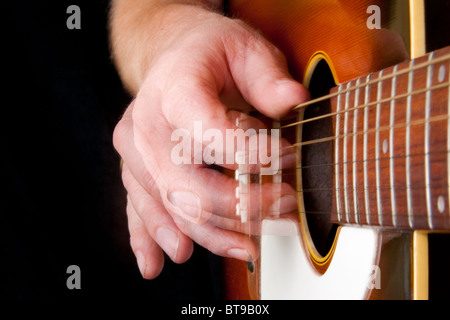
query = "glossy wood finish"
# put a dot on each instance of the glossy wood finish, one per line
(295, 26)
(236, 281)
(392, 164)
(393, 172)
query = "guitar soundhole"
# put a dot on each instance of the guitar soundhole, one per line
(317, 163)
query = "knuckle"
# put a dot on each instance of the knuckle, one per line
(135, 240)
(149, 183)
(122, 129)
(127, 179)
(145, 211)
(118, 135)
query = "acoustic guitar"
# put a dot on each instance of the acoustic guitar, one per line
(372, 148)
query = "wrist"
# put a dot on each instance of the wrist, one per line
(140, 30)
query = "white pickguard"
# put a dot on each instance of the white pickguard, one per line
(287, 273)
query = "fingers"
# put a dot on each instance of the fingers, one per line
(197, 193)
(157, 222)
(123, 139)
(221, 242)
(261, 74)
(149, 256)
(173, 203)
(151, 227)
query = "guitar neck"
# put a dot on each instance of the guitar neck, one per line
(391, 146)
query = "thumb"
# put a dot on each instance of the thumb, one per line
(261, 74)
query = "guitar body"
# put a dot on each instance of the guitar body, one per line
(356, 254)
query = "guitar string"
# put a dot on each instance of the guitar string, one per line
(377, 130)
(375, 188)
(370, 131)
(352, 215)
(386, 128)
(362, 106)
(319, 166)
(335, 214)
(372, 187)
(375, 81)
(366, 132)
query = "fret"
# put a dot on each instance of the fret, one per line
(418, 144)
(372, 163)
(365, 158)
(345, 155)
(410, 209)
(336, 173)
(383, 160)
(398, 149)
(377, 151)
(391, 150)
(355, 144)
(392, 168)
(427, 143)
(442, 79)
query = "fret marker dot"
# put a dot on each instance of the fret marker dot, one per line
(441, 204)
(442, 72)
(385, 146)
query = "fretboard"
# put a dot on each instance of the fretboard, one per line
(391, 146)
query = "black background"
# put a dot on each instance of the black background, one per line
(62, 201)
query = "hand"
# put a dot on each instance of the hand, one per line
(208, 69)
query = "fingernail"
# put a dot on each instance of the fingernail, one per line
(240, 254)
(284, 205)
(141, 262)
(168, 240)
(187, 202)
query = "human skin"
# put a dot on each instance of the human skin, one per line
(183, 61)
